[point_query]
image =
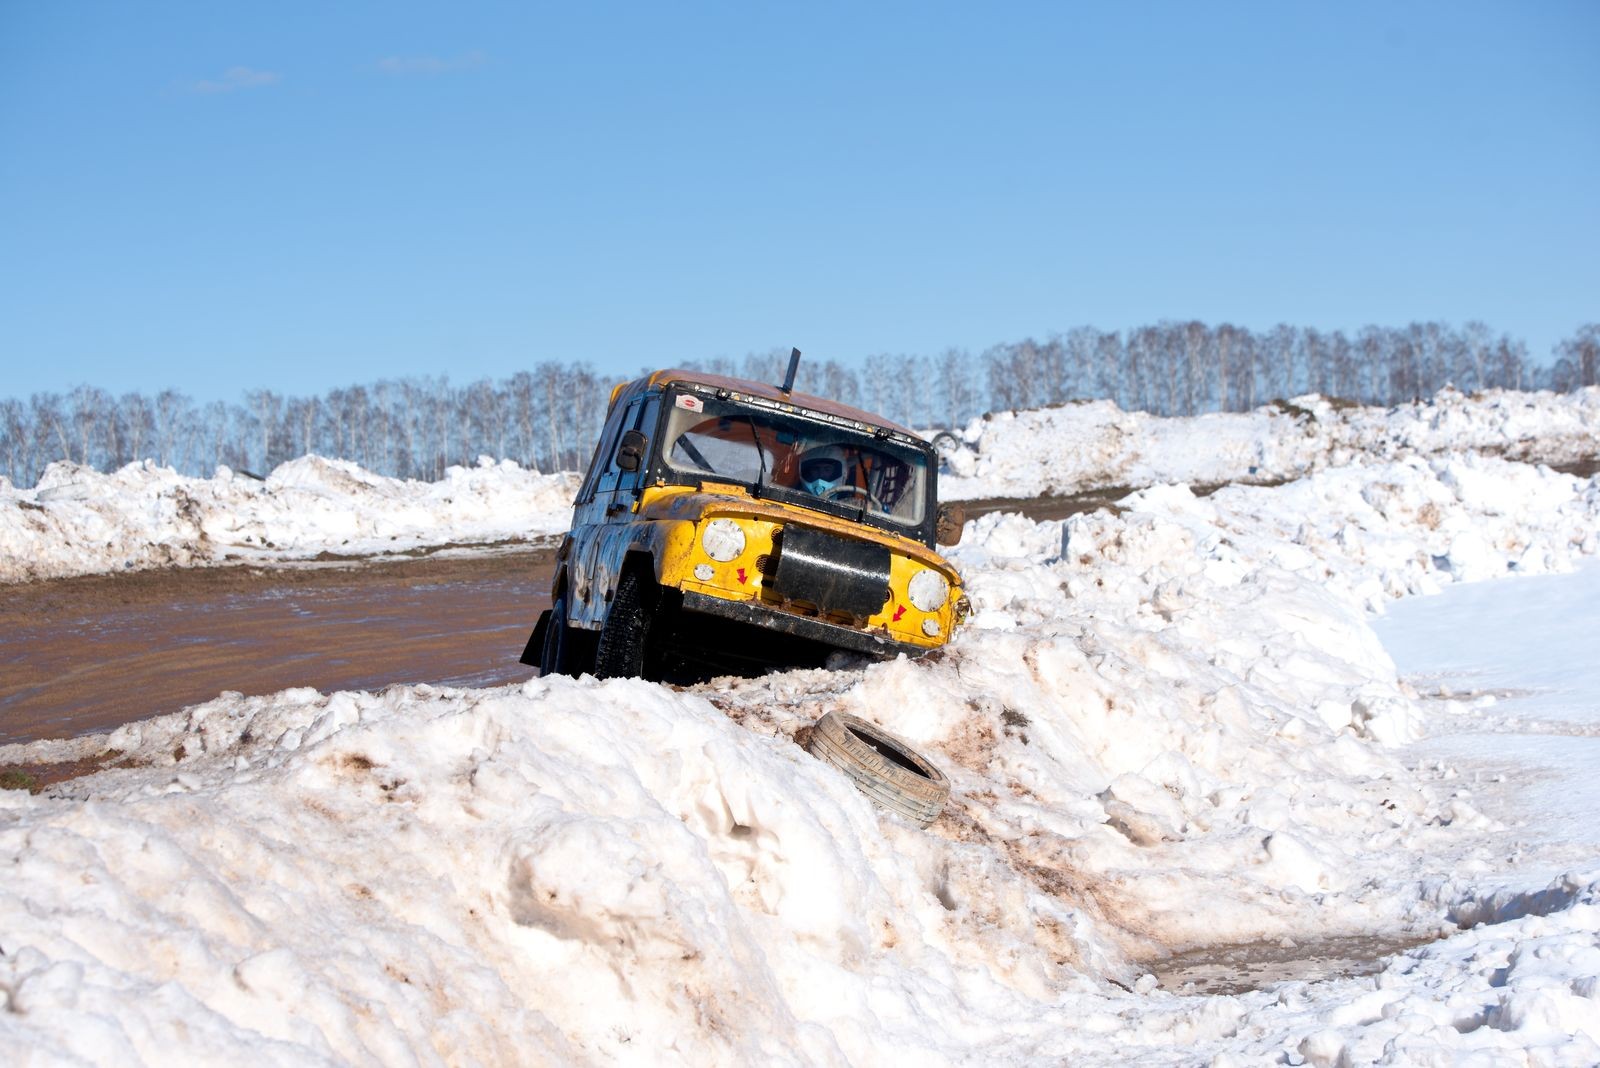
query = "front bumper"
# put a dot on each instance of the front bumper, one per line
(815, 630)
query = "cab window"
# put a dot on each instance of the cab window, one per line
(604, 454)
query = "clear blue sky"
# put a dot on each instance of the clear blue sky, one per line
(226, 195)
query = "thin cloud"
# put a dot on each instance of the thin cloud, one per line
(236, 78)
(430, 65)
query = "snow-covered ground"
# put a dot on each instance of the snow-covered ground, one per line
(1075, 447)
(1510, 673)
(1169, 728)
(78, 521)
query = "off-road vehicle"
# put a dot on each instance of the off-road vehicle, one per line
(728, 526)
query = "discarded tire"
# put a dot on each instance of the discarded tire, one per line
(881, 766)
(945, 443)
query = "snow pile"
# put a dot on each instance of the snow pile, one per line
(1373, 532)
(1164, 728)
(79, 521)
(1197, 649)
(569, 871)
(1066, 449)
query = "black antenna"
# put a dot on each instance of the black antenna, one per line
(794, 364)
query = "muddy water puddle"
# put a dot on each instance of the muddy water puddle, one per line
(1585, 468)
(1235, 969)
(84, 655)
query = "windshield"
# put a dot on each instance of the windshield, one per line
(804, 460)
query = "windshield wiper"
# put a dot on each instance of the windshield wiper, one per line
(694, 455)
(761, 459)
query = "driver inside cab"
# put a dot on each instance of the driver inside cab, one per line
(823, 469)
(850, 475)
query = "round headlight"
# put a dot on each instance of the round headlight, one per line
(722, 540)
(928, 590)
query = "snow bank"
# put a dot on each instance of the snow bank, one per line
(1074, 447)
(1164, 728)
(79, 521)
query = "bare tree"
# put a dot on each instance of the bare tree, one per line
(264, 407)
(1224, 345)
(1141, 365)
(49, 427)
(1578, 359)
(1199, 365)
(1275, 360)
(954, 371)
(1002, 369)
(1246, 370)
(1054, 374)
(16, 441)
(839, 382)
(1110, 366)
(1510, 363)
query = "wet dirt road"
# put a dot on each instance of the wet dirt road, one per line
(88, 654)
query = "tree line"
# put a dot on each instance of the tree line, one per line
(547, 417)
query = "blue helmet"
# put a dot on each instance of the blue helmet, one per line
(823, 468)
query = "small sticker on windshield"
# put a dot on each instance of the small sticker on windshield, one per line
(690, 403)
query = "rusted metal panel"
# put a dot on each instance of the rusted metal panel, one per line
(767, 392)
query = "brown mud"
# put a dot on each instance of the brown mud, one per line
(1582, 468)
(1060, 507)
(1235, 969)
(87, 654)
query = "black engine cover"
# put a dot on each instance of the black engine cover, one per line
(835, 574)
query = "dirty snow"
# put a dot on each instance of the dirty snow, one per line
(1168, 728)
(1080, 446)
(78, 521)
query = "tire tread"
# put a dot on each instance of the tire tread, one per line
(918, 797)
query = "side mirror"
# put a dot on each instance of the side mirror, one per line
(630, 451)
(948, 523)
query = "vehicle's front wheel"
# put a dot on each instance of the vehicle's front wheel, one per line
(556, 657)
(625, 636)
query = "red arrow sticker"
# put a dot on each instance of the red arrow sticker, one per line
(899, 610)
(742, 579)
